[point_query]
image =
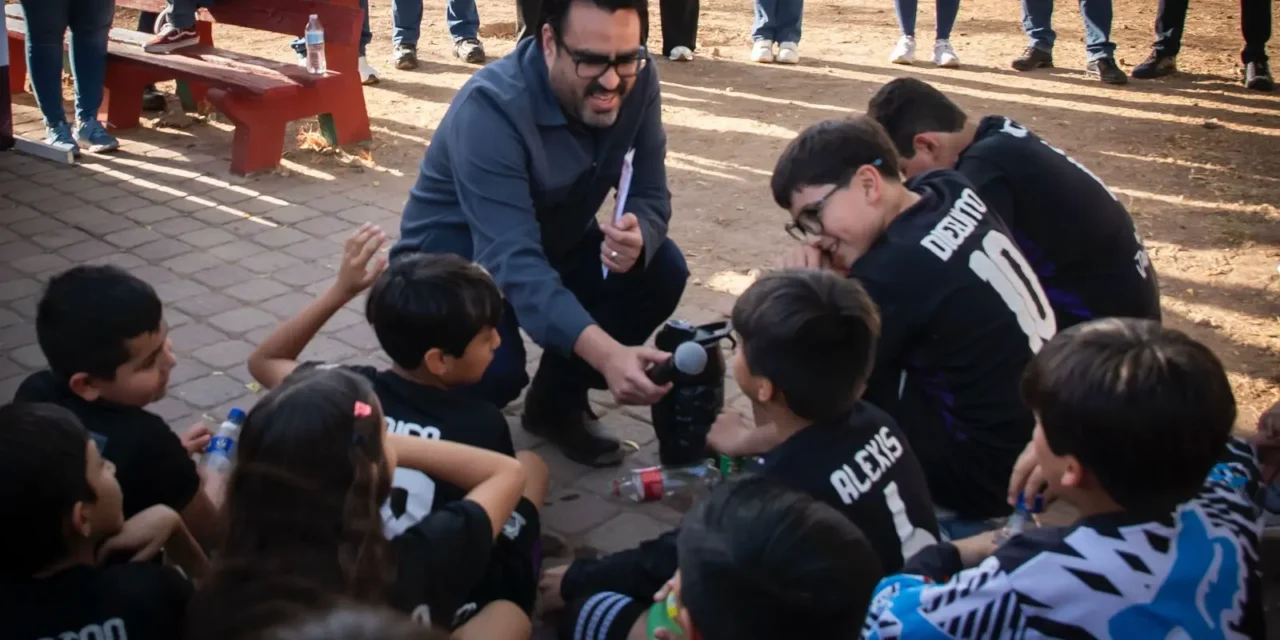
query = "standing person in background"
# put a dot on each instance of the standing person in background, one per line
(1255, 24)
(46, 24)
(368, 75)
(464, 26)
(943, 54)
(1037, 17)
(777, 23)
(152, 98)
(679, 25)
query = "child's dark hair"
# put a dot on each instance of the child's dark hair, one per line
(813, 335)
(758, 560)
(1145, 409)
(88, 314)
(830, 151)
(303, 529)
(43, 450)
(355, 623)
(906, 107)
(427, 301)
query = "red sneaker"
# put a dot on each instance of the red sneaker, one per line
(170, 39)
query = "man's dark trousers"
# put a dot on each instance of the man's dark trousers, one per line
(1255, 25)
(679, 22)
(628, 306)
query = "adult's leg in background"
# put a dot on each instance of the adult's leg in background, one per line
(463, 19)
(947, 10)
(147, 21)
(1255, 24)
(905, 10)
(763, 26)
(1097, 28)
(46, 24)
(90, 22)
(789, 14)
(1171, 17)
(679, 24)
(366, 32)
(406, 21)
(528, 19)
(1037, 23)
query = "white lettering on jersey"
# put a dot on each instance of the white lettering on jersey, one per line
(1002, 266)
(413, 492)
(421, 615)
(464, 613)
(873, 460)
(514, 525)
(1141, 260)
(956, 226)
(1018, 131)
(1014, 129)
(112, 629)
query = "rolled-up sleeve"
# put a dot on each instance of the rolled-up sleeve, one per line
(491, 174)
(649, 198)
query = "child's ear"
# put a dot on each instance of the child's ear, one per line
(1073, 473)
(765, 391)
(81, 520)
(435, 362)
(82, 384)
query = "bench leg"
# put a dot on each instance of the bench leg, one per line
(348, 119)
(17, 66)
(122, 101)
(259, 139)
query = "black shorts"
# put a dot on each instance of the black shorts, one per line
(516, 562)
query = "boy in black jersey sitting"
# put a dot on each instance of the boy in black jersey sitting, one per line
(807, 340)
(62, 510)
(103, 333)
(1072, 229)
(436, 317)
(1133, 429)
(961, 310)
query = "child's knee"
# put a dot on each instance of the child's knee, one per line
(498, 619)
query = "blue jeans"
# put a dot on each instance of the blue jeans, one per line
(46, 22)
(778, 20)
(628, 306)
(406, 16)
(946, 12)
(366, 34)
(1037, 16)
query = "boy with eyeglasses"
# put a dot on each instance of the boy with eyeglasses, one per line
(962, 311)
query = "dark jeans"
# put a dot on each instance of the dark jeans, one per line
(1255, 24)
(679, 22)
(46, 23)
(406, 17)
(777, 20)
(946, 12)
(628, 306)
(299, 45)
(1037, 18)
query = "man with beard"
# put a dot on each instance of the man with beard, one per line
(513, 178)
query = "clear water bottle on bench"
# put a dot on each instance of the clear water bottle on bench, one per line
(314, 38)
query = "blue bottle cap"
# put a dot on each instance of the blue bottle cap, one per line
(236, 416)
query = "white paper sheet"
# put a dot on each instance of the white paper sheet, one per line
(624, 186)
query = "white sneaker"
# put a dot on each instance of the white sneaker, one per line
(788, 53)
(681, 54)
(944, 55)
(762, 51)
(905, 51)
(368, 75)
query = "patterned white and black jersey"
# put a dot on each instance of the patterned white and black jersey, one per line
(1194, 573)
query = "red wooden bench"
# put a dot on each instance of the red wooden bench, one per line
(259, 96)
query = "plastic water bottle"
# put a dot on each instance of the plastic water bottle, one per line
(315, 46)
(662, 615)
(656, 483)
(1021, 519)
(217, 456)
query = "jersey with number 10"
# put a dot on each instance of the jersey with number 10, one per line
(962, 315)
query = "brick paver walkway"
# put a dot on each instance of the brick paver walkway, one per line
(231, 258)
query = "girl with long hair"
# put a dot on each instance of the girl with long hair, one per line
(303, 531)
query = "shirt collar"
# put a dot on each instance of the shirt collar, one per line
(547, 111)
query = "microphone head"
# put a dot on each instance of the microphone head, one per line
(690, 358)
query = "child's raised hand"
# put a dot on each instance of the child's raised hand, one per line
(357, 273)
(144, 534)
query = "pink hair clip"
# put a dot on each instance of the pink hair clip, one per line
(363, 410)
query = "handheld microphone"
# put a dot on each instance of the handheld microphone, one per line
(690, 359)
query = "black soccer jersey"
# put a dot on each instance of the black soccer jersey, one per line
(134, 601)
(413, 409)
(1190, 573)
(1070, 227)
(962, 315)
(864, 468)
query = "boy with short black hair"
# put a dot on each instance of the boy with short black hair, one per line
(62, 509)
(962, 310)
(1073, 230)
(103, 334)
(756, 560)
(436, 317)
(1131, 420)
(807, 341)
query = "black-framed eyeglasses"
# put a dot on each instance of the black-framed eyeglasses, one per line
(590, 65)
(808, 221)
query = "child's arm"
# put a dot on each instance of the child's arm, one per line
(491, 480)
(277, 356)
(153, 529)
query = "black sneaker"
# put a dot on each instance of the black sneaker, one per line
(1258, 77)
(568, 423)
(153, 99)
(469, 50)
(1033, 58)
(1155, 66)
(405, 57)
(1106, 70)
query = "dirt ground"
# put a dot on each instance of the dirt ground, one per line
(1192, 156)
